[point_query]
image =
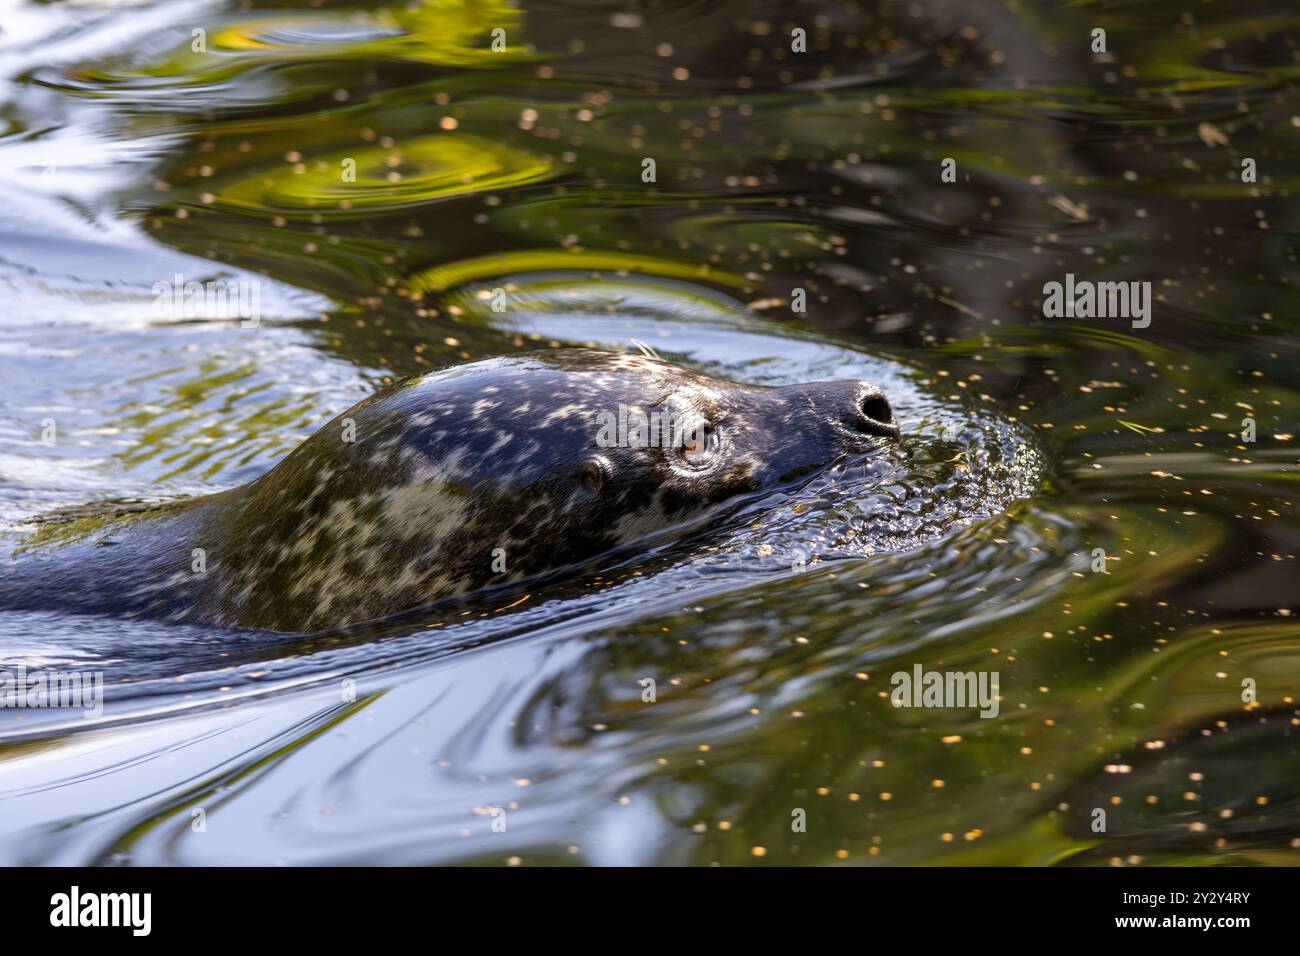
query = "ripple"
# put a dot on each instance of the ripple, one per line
(423, 170)
(208, 62)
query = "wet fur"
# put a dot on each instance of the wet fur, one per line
(445, 468)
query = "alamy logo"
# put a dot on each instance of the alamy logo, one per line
(633, 428)
(103, 909)
(1098, 300)
(213, 299)
(954, 689)
(21, 688)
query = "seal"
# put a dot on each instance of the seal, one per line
(490, 473)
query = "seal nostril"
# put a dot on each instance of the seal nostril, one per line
(877, 409)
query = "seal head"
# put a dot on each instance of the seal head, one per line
(509, 468)
(486, 474)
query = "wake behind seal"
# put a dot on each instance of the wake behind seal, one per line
(452, 481)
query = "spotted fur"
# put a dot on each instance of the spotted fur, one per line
(446, 468)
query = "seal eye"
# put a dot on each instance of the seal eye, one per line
(701, 446)
(594, 471)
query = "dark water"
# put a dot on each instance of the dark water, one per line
(129, 157)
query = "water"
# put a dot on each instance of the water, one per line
(128, 157)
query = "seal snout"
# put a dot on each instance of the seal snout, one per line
(874, 413)
(858, 406)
